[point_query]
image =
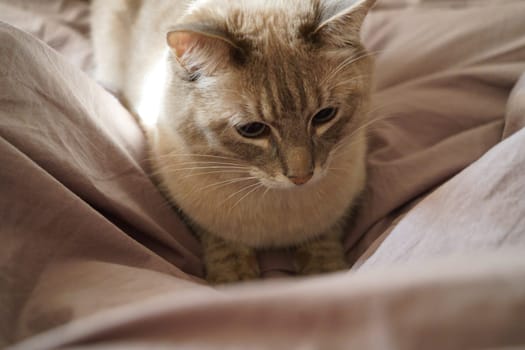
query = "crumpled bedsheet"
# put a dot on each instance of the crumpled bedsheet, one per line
(93, 257)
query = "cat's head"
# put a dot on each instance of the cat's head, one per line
(276, 86)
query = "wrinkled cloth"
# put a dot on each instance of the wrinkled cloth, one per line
(93, 256)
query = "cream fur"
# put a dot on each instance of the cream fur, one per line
(133, 57)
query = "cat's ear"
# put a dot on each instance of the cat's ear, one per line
(340, 21)
(200, 50)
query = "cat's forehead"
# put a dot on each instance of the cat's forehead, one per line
(259, 7)
(279, 88)
(283, 72)
(259, 21)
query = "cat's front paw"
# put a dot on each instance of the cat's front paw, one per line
(307, 264)
(234, 266)
(324, 255)
(228, 262)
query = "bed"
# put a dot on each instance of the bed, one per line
(93, 257)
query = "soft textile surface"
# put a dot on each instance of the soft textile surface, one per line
(92, 256)
(452, 304)
(62, 24)
(444, 71)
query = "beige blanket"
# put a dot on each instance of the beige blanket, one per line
(93, 257)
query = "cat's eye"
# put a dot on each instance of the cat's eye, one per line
(252, 130)
(324, 116)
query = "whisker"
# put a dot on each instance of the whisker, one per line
(266, 191)
(174, 168)
(229, 182)
(336, 153)
(246, 195)
(174, 154)
(342, 142)
(206, 162)
(216, 172)
(348, 61)
(348, 81)
(239, 191)
(167, 171)
(367, 124)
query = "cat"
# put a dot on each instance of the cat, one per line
(255, 113)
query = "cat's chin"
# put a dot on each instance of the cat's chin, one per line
(281, 182)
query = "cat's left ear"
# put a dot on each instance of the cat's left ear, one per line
(201, 50)
(340, 21)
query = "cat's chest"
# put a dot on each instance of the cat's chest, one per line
(259, 217)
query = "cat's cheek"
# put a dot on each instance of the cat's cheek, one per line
(322, 153)
(276, 181)
(319, 173)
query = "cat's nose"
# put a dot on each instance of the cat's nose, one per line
(299, 164)
(301, 180)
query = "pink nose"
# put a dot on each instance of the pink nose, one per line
(301, 180)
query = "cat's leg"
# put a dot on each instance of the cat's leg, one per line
(324, 254)
(226, 261)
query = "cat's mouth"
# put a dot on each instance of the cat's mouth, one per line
(281, 181)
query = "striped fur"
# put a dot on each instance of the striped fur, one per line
(272, 61)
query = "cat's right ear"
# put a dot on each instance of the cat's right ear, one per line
(201, 51)
(340, 21)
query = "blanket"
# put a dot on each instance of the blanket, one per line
(92, 256)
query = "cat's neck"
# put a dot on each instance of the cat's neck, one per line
(249, 213)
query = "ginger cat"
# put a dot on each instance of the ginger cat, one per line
(255, 112)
